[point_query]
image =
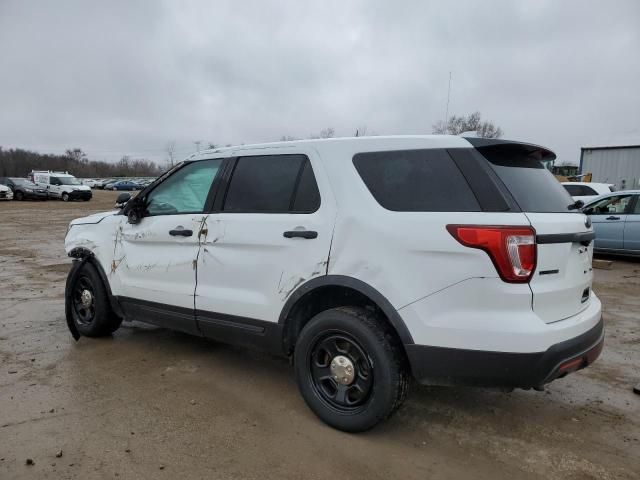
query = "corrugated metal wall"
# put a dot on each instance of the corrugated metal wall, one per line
(613, 165)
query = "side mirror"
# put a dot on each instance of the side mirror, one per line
(122, 199)
(134, 209)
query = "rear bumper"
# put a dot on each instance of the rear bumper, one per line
(452, 366)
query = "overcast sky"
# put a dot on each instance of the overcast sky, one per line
(127, 77)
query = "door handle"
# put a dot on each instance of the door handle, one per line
(308, 234)
(180, 232)
(613, 218)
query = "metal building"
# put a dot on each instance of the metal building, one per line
(619, 165)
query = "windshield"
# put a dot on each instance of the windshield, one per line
(68, 180)
(22, 181)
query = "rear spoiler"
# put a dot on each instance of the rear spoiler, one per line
(510, 147)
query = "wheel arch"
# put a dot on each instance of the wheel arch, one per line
(82, 255)
(330, 291)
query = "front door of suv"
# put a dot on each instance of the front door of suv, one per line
(155, 259)
(269, 233)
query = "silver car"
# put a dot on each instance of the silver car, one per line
(616, 221)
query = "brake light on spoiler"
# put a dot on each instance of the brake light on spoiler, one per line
(511, 249)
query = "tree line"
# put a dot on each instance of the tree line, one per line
(16, 162)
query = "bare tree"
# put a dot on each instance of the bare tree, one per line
(124, 164)
(327, 133)
(324, 133)
(471, 123)
(288, 138)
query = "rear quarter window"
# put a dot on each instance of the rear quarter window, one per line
(416, 181)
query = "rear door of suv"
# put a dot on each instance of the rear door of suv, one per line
(561, 284)
(270, 231)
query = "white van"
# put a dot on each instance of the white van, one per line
(61, 185)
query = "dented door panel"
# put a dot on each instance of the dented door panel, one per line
(152, 265)
(248, 267)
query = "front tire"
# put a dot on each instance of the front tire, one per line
(350, 368)
(65, 197)
(89, 304)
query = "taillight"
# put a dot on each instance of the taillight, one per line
(511, 249)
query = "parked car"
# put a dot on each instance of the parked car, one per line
(100, 184)
(366, 260)
(616, 222)
(24, 189)
(107, 183)
(61, 185)
(90, 182)
(5, 193)
(126, 185)
(587, 191)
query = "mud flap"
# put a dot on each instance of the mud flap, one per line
(71, 280)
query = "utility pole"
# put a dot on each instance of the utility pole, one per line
(446, 115)
(197, 143)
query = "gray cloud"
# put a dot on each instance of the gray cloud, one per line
(127, 77)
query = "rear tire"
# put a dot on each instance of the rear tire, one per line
(19, 196)
(89, 303)
(350, 368)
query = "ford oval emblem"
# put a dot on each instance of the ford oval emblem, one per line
(587, 221)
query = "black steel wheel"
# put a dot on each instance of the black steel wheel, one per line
(341, 372)
(83, 300)
(87, 302)
(351, 368)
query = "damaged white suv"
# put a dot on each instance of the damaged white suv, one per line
(367, 260)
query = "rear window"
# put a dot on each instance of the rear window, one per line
(580, 190)
(416, 181)
(532, 186)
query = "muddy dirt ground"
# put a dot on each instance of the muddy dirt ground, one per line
(150, 403)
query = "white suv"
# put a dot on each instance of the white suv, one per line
(367, 260)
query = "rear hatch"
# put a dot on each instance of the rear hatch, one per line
(561, 283)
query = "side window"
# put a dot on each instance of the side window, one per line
(586, 191)
(272, 184)
(416, 181)
(185, 191)
(307, 197)
(606, 206)
(636, 210)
